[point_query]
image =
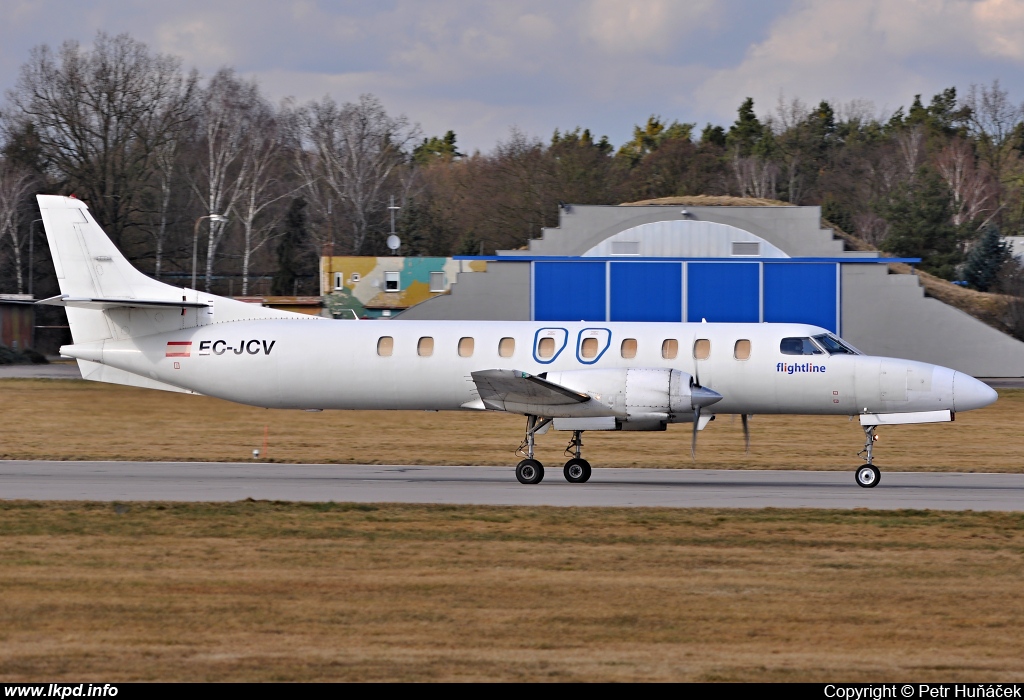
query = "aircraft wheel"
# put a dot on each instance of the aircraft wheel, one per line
(577, 470)
(529, 471)
(868, 476)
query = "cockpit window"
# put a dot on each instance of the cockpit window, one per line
(799, 346)
(834, 345)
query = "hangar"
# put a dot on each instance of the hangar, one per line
(673, 261)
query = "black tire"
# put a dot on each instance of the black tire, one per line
(576, 470)
(529, 471)
(868, 476)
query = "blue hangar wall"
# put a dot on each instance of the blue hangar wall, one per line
(780, 290)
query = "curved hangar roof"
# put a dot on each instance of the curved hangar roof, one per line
(684, 239)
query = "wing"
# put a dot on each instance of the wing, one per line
(518, 392)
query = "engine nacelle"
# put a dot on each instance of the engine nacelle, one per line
(640, 396)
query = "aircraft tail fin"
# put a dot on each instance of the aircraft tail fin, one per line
(105, 297)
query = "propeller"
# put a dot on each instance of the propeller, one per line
(746, 431)
(699, 398)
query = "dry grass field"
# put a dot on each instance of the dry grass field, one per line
(254, 591)
(271, 591)
(63, 419)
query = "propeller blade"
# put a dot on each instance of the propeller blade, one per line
(746, 432)
(693, 441)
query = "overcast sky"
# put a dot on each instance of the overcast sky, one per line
(480, 66)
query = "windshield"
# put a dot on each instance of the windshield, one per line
(799, 346)
(834, 345)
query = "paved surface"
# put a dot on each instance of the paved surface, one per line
(682, 488)
(62, 370)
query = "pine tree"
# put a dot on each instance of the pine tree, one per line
(290, 259)
(921, 225)
(985, 261)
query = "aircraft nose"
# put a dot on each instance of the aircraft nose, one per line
(702, 396)
(969, 393)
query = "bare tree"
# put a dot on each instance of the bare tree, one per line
(911, 145)
(994, 122)
(871, 227)
(756, 176)
(101, 116)
(229, 106)
(973, 190)
(353, 152)
(14, 189)
(259, 188)
(166, 158)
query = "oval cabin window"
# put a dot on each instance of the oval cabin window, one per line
(466, 347)
(546, 347)
(670, 348)
(425, 348)
(588, 351)
(742, 350)
(506, 347)
(702, 349)
(629, 348)
(385, 346)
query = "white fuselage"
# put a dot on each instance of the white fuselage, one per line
(286, 363)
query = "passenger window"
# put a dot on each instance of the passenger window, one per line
(670, 348)
(588, 350)
(629, 348)
(385, 346)
(702, 349)
(546, 348)
(425, 348)
(799, 346)
(466, 347)
(506, 347)
(742, 350)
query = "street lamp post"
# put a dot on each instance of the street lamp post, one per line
(195, 240)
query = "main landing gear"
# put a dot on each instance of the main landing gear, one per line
(531, 471)
(868, 475)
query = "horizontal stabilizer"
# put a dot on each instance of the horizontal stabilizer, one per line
(111, 303)
(509, 390)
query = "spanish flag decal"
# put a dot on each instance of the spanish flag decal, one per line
(179, 348)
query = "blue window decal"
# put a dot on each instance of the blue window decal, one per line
(602, 338)
(558, 336)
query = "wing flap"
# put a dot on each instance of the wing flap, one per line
(520, 392)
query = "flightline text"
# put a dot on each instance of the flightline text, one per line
(805, 367)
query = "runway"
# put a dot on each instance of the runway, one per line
(671, 488)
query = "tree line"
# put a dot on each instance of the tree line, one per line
(179, 167)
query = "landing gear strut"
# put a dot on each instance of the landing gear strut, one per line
(577, 469)
(868, 475)
(530, 471)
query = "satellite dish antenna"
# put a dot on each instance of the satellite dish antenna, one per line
(394, 242)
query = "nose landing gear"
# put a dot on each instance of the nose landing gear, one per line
(867, 475)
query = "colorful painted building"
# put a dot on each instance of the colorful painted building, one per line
(369, 287)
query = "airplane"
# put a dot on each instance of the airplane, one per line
(130, 329)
